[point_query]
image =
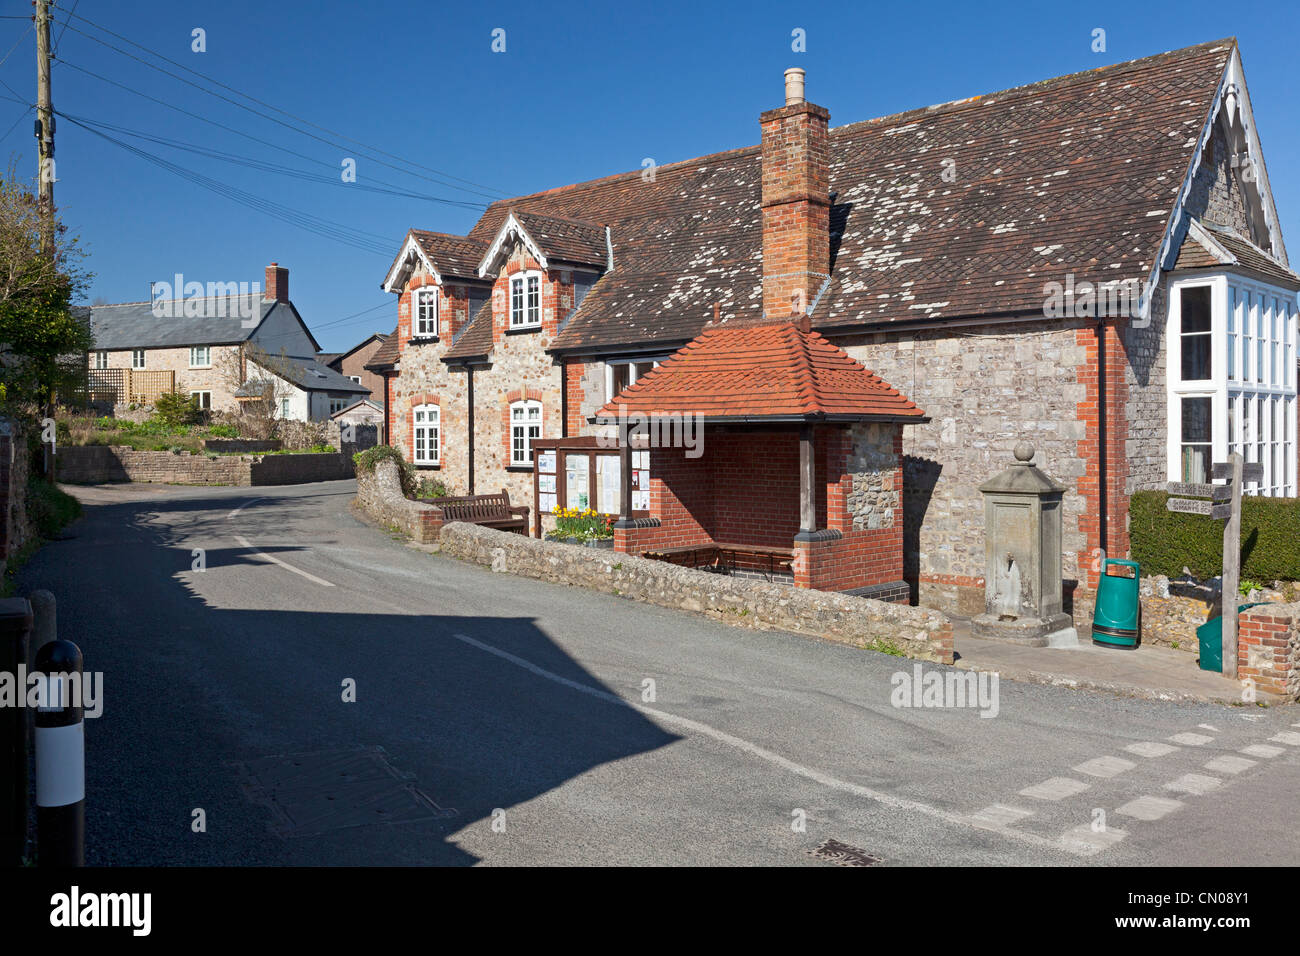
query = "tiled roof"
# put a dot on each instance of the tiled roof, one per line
(386, 355)
(474, 340)
(1074, 174)
(566, 240)
(1250, 257)
(766, 371)
(310, 375)
(451, 255)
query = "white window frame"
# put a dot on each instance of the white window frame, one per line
(1261, 397)
(634, 373)
(337, 404)
(207, 355)
(284, 408)
(199, 394)
(426, 434)
(137, 358)
(522, 424)
(101, 359)
(528, 315)
(419, 319)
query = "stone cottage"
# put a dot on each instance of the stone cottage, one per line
(1092, 263)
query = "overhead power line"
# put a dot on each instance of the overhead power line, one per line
(464, 203)
(325, 228)
(277, 168)
(480, 189)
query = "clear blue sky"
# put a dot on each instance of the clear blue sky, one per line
(580, 92)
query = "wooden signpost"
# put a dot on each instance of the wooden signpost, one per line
(1225, 502)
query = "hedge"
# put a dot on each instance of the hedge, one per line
(1165, 542)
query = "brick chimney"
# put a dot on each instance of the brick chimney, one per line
(796, 201)
(277, 284)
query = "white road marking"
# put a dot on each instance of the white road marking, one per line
(1191, 740)
(243, 506)
(288, 567)
(1208, 727)
(1148, 808)
(1105, 766)
(1194, 783)
(754, 750)
(1149, 748)
(1090, 842)
(1263, 750)
(998, 816)
(1057, 788)
(1287, 737)
(1229, 764)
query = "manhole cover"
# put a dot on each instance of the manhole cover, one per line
(312, 793)
(841, 854)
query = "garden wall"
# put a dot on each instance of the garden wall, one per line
(379, 496)
(96, 464)
(15, 528)
(863, 622)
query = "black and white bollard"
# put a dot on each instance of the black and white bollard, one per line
(60, 759)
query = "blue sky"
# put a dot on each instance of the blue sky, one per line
(581, 92)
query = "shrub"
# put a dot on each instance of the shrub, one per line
(431, 488)
(223, 431)
(174, 408)
(1164, 542)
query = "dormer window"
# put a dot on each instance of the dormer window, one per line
(526, 300)
(426, 312)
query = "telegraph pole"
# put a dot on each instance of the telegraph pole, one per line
(44, 123)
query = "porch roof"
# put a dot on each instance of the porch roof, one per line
(772, 371)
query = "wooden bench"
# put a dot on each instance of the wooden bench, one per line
(726, 558)
(492, 511)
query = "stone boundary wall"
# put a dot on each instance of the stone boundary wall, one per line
(1268, 648)
(97, 464)
(241, 446)
(379, 496)
(862, 622)
(15, 528)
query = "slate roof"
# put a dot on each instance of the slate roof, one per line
(311, 375)
(1073, 174)
(474, 340)
(457, 256)
(133, 325)
(1214, 247)
(768, 371)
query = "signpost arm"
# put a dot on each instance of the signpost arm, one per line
(1231, 570)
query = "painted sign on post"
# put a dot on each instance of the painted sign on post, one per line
(1224, 503)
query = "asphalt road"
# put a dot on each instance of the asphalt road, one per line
(517, 725)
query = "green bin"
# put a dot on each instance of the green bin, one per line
(1117, 615)
(1210, 636)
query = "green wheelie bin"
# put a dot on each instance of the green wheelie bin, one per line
(1209, 636)
(1117, 615)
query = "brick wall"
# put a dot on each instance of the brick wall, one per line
(795, 205)
(1268, 648)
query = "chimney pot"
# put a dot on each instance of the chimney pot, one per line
(793, 86)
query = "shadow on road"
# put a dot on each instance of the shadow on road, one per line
(192, 692)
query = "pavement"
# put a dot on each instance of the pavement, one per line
(284, 684)
(1150, 671)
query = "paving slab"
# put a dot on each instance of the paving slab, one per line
(1151, 672)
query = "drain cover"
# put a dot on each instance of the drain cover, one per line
(312, 793)
(841, 854)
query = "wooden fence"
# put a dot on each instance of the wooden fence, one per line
(125, 385)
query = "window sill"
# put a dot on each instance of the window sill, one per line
(426, 466)
(523, 329)
(520, 468)
(422, 340)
